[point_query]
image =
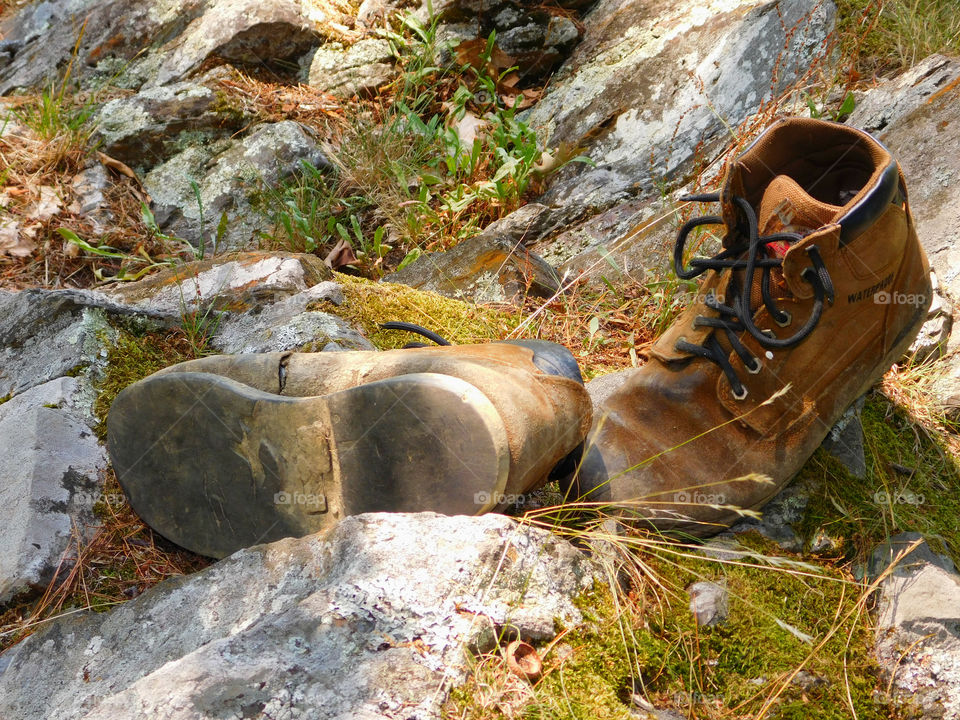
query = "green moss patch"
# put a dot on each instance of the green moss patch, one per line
(912, 484)
(368, 304)
(132, 357)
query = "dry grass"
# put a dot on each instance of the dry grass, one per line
(913, 387)
(880, 37)
(264, 99)
(44, 149)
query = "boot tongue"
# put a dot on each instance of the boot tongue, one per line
(786, 207)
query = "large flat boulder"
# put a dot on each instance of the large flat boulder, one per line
(371, 620)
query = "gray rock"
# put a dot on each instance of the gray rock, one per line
(228, 181)
(288, 325)
(918, 627)
(343, 72)
(370, 620)
(529, 223)
(237, 282)
(650, 86)
(946, 390)
(883, 107)
(622, 244)
(934, 337)
(89, 186)
(536, 40)
(602, 387)
(845, 440)
(895, 550)
(41, 37)
(145, 129)
(916, 116)
(487, 268)
(46, 334)
(49, 482)
(149, 44)
(709, 602)
(778, 518)
(242, 32)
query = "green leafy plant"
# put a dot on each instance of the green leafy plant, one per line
(55, 115)
(371, 251)
(846, 107)
(445, 156)
(180, 245)
(141, 260)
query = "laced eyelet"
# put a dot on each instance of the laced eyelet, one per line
(681, 339)
(787, 321)
(769, 333)
(743, 394)
(755, 367)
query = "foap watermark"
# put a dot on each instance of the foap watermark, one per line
(699, 298)
(689, 699)
(886, 297)
(114, 499)
(903, 497)
(699, 498)
(485, 498)
(298, 498)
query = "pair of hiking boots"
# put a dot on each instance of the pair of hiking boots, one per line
(819, 286)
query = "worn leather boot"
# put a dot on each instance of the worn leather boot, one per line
(228, 451)
(820, 286)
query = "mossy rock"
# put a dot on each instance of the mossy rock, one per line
(648, 646)
(133, 356)
(368, 304)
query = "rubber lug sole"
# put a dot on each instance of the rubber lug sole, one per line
(215, 465)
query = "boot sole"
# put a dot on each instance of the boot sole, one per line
(215, 465)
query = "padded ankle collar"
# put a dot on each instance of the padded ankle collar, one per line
(865, 213)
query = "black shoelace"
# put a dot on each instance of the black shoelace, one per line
(419, 330)
(737, 317)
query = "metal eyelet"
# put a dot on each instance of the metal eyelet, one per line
(785, 323)
(681, 339)
(742, 396)
(755, 367)
(769, 333)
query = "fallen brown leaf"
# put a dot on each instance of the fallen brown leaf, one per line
(468, 128)
(341, 255)
(13, 241)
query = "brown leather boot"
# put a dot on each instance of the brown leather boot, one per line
(228, 451)
(821, 285)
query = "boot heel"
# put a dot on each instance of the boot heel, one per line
(215, 465)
